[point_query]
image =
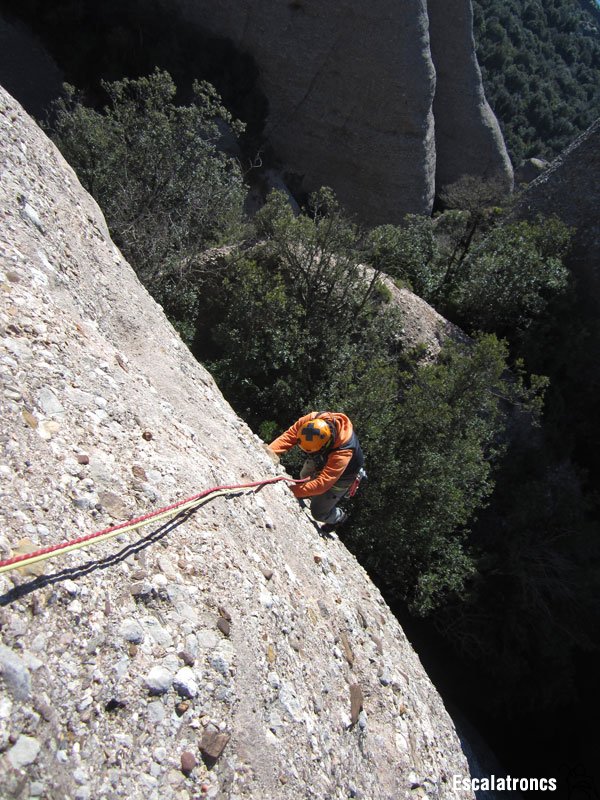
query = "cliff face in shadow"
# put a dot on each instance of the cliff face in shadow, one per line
(382, 101)
(569, 188)
(234, 653)
(468, 140)
(354, 101)
(26, 67)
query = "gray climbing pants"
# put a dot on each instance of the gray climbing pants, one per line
(323, 507)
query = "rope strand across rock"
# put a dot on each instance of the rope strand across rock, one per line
(196, 500)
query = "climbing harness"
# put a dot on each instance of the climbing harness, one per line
(124, 527)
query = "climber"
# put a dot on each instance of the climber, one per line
(334, 463)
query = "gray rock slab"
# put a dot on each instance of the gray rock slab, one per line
(24, 752)
(15, 673)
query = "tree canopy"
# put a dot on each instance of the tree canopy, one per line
(540, 63)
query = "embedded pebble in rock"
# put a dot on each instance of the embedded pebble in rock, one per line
(141, 590)
(185, 683)
(158, 680)
(48, 402)
(188, 762)
(212, 746)
(289, 703)
(220, 664)
(356, 702)
(132, 631)
(209, 655)
(14, 673)
(157, 632)
(113, 504)
(385, 677)
(70, 587)
(189, 659)
(156, 712)
(181, 708)
(24, 752)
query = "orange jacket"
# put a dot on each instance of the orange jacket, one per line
(337, 461)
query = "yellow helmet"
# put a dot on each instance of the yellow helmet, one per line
(314, 436)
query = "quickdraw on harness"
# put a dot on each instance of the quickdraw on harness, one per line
(362, 475)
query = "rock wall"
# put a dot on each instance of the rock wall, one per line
(234, 654)
(422, 326)
(382, 101)
(570, 189)
(351, 89)
(468, 140)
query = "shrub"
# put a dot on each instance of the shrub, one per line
(153, 166)
(433, 434)
(509, 277)
(477, 270)
(293, 313)
(409, 253)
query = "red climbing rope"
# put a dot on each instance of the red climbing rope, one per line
(137, 522)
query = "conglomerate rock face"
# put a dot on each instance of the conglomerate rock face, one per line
(352, 95)
(233, 654)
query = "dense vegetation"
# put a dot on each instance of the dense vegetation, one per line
(471, 517)
(166, 190)
(540, 63)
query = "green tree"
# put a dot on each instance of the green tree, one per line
(432, 434)
(257, 347)
(295, 311)
(559, 47)
(510, 277)
(166, 190)
(410, 252)
(319, 254)
(480, 271)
